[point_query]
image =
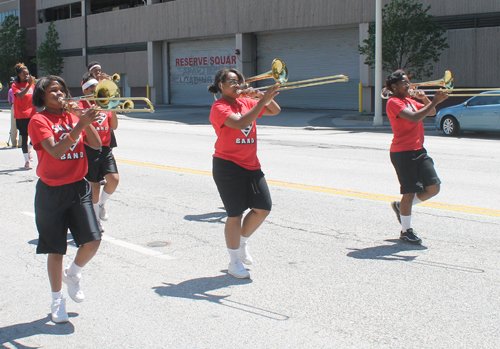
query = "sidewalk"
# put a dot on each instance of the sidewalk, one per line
(313, 119)
(305, 118)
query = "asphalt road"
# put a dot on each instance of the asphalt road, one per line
(328, 269)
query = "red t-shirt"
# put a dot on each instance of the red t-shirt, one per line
(23, 107)
(238, 146)
(72, 166)
(102, 125)
(408, 135)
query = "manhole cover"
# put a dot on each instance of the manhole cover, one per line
(159, 243)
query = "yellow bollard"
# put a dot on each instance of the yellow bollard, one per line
(360, 97)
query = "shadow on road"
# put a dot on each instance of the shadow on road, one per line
(198, 289)
(213, 217)
(386, 252)
(10, 334)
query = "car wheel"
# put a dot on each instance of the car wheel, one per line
(450, 126)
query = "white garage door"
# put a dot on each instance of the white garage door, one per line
(193, 65)
(313, 54)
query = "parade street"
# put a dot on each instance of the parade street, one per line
(328, 272)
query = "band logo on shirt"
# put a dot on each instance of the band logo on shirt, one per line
(246, 132)
(70, 155)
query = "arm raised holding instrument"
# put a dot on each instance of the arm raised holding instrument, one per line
(236, 168)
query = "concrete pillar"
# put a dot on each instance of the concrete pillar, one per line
(155, 71)
(245, 60)
(365, 71)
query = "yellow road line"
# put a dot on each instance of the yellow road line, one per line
(336, 191)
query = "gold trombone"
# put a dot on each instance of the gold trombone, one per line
(447, 82)
(107, 96)
(279, 73)
(447, 85)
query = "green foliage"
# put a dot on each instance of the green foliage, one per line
(13, 48)
(410, 39)
(49, 58)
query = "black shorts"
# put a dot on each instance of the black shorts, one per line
(240, 188)
(22, 126)
(58, 208)
(415, 170)
(101, 162)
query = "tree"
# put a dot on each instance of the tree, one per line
(13, 47)
(411, 40)
(49, 58)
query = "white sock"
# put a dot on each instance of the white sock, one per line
(74, 270)
(26, 157)
(56, 295)
(243, 240)
(235, 255)
(405, 223)
(104, 197)
(416, 200)
(96, 210)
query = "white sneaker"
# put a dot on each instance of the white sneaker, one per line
(74, 289)
(101, 229)
(238, 270)
(103, 215)
(58, 310)
(245, 255)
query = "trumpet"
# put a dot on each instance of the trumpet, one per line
(279, 73)
(107, 96)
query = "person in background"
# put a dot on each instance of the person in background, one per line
(63, 197)
(24, 109)
(102, 164)
(236, 168)
(415, 169)
(13, 126)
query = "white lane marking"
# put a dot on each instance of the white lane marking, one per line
(126, 244)
(136, 248)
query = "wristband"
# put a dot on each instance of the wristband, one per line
(71, 138)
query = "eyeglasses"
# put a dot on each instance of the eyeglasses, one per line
(233, 82)
(404, 83)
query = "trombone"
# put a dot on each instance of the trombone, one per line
(279, 73)
(447, 84)
(107, 96)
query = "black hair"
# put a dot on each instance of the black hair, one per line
(394, 78)
(221, 76)
(91, 64)
(41, 86)
(19, 68)
(86, 77)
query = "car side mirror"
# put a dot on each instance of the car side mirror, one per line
(466, 104)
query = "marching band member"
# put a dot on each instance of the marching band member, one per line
(102, 164)
(63, 197)
(24, 109)
(415, 169)
(94, 68)
(236, 168)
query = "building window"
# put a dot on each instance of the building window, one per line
(60, 12)
(8, 13)
(99, 6)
